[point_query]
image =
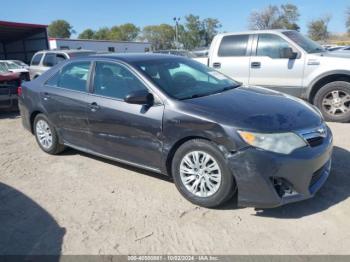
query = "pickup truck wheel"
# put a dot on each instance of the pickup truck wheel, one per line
(333, 100)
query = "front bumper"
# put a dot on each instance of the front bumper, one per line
(299, 175)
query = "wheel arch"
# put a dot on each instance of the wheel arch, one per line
(318, 83)
(32, 118)
(175, 147)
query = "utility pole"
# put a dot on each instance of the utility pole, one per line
(176, 20)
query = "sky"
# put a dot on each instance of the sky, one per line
(233, 14)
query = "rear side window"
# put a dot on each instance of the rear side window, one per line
(36, 59)
(73, 76)
(234, 45)
(49, 60)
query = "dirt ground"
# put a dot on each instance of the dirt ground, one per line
(79, 204)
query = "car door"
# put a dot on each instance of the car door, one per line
(65, 97)
(128, 132)
(35, 68)
(233, 57)
(269, 69)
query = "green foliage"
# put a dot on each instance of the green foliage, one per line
(87, 34)
(318, 29)
(102, 34)
(160, 36)
(60, 29)
(275, 17)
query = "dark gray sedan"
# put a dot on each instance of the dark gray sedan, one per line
(174, 116)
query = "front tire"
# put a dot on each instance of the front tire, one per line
(201, 174)
(46, 135)
(333, 100)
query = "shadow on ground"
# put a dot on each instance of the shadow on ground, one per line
(25, 227)
(9, 115)
(335, 190)
(70, 151)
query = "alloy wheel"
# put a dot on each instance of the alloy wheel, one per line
(336, 102)
(200, 173)
(44, 134)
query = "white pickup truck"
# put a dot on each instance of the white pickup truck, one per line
(286, 61)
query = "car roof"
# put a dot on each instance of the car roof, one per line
(256, 32)
(136, 57)
(68, 51)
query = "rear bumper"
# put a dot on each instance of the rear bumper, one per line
(8, 102)
(265, 179)
(25, 116)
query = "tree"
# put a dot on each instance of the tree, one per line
(193, 32)
(265, 19)
(102, 34)
(87, 34)
(275, 17)
(210, 29)
(60, 29)
(160, 36)
(318, 29)
(348, 20)
(128, 32)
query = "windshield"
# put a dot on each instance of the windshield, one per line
(307, 44)
(182, 78)
(12, 65)
(3, 67)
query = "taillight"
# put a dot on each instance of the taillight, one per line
(19, 91)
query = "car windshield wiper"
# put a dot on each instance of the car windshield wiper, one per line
(212, 93)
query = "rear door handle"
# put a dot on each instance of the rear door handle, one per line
(255, 65)
(94, 106)
(217, 65)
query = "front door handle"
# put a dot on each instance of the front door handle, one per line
(255, 65)
(217, 65)
(46, 96)
(94, 106)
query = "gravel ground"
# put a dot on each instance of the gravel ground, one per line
(79, 204)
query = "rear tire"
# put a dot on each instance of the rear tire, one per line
(201, 174)
(46, 135)
(333, 100)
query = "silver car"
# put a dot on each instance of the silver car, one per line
(44, 60)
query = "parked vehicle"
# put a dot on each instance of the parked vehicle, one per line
(341, 49)
(176, 52)
(286, 61)
(175, 116)
(9, 84)
(14, 68)
(20, 63)
(44, 60)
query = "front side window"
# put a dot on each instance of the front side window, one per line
(115, 81)
(182, 78)
(73, 76)
(234, 45)
(271, 46)
(306, 43)
(36, 59)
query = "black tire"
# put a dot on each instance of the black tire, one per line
(341, 86)
(227, 186)
(56, 147)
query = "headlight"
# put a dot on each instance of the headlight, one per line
(283, 143)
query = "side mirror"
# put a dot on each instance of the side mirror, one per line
(139, 97)
(288, 53)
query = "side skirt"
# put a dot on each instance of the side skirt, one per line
(156, 170)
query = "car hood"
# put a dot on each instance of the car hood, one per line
(339, 54)
(256, 109)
